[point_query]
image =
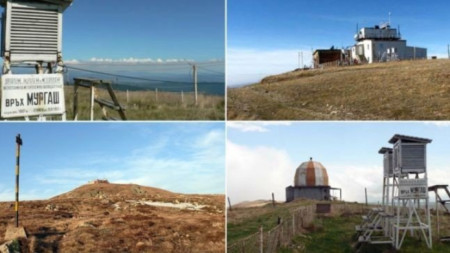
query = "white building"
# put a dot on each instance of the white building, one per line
(383, 43)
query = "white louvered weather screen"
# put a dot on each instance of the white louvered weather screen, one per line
(34, 32)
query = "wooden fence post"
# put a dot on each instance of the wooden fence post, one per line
(365, 190)
(92, 101)
(261, 238)
(194, 67)
(293, 224)
(75, 101)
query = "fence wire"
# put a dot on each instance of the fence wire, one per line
(282, 235)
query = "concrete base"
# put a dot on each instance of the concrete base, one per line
(13, 233)
(308, 192)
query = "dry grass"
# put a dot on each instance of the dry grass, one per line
(146, 105)
(407, 90)
(99, 218)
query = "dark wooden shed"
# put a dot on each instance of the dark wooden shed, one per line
(327, 57)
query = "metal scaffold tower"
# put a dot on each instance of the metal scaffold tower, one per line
(411, 202)
(405, 201)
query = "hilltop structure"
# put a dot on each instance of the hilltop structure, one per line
(310, 182)
(327, 57)
(380, 43)
(383, 43)
(99, 181)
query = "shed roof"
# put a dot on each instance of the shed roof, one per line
(63, 3)
(410, 139)
(385, 150)
(327, 51)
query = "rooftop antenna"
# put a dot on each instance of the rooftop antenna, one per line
(389, 19)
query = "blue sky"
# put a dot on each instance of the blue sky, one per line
(156, 39)
(262, 157)
(165, 29)
(58, 157)
(264, 37)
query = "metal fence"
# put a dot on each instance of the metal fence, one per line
(295, 224)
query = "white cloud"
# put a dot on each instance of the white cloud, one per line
(352, 179)
(132, 60)
(210, 139)
(255, 126)
(438, 123)
(247, 127)
(246, 66)
(197, 167)
(254, 173)
(73, 61)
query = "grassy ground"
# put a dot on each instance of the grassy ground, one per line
(336, 234)
(406, 90)
(243, 222)
(146, 105)
(330, 233)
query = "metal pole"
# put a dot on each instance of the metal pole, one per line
(19, 143)
(437, 214)
(229, 203)
(384, 194)
(273, 199)
(194, 67)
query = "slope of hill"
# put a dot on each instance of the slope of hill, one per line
(416, 90)
(107, 190)
(120, 218)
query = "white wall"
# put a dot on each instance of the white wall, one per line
(375, 50)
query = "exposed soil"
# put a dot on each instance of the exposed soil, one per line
(115, 218)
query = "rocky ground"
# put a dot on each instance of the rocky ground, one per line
(120, 218)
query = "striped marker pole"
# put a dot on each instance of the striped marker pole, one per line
(19, 143)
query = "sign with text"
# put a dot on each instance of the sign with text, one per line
(32, 95)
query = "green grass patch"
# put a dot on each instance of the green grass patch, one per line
(336, 235)
(267, 220)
